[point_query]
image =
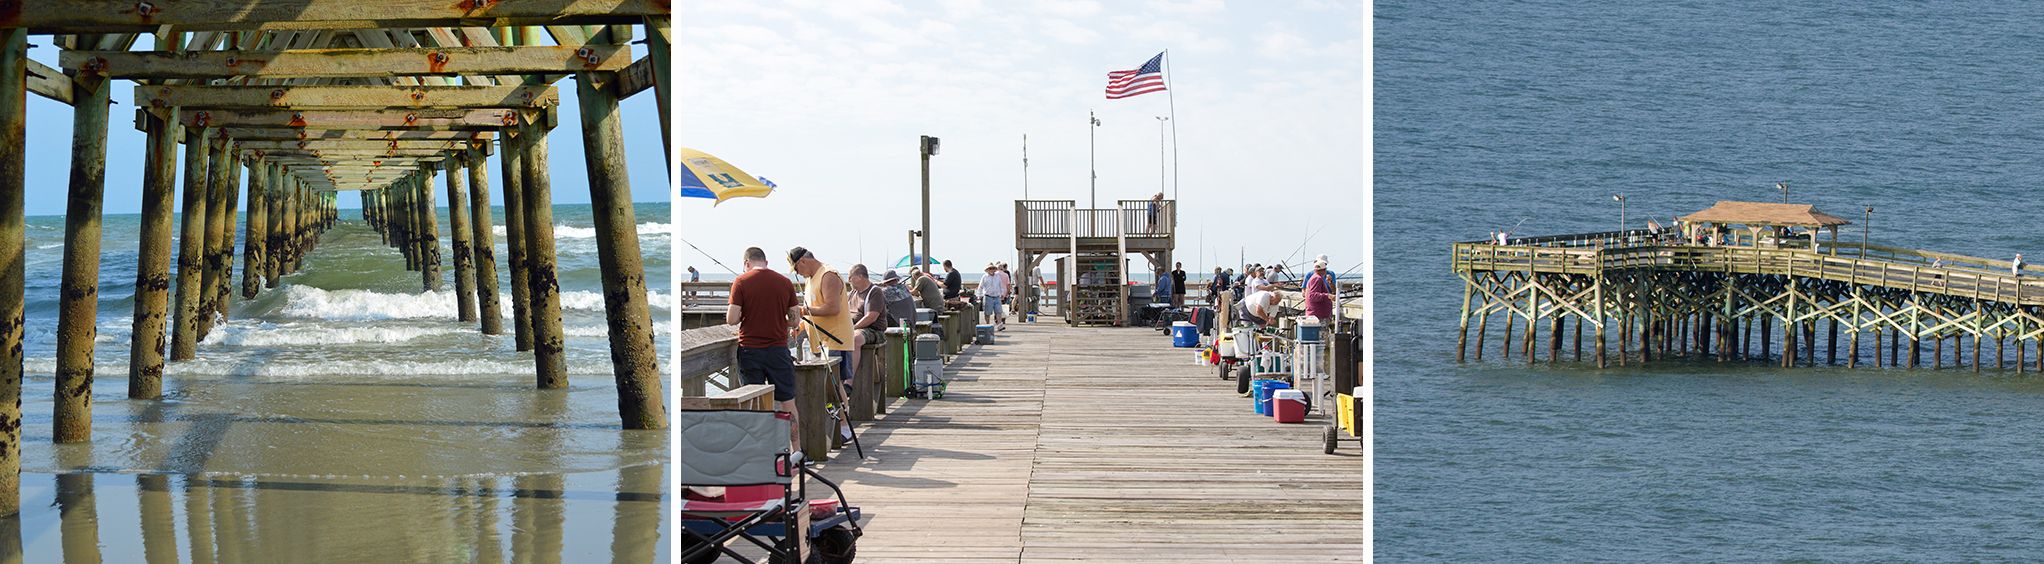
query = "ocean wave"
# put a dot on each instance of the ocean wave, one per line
(462, 367)
(365, 305)
(565, 231)
(271, 334)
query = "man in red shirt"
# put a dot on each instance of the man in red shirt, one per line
(763, 306)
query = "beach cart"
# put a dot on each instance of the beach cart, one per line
(740, 482)
(1348, 421)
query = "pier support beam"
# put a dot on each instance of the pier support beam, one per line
(78, 299)
(513, 165)
(273, 245)
(13, 190)
(547, 342)
(459, 232)
(483, 243)
(191, 247)
(223, 287)
(222, 166)
(253, 235)
(429, 230)
(639, 396)
(152, 265)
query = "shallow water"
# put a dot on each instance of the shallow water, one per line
(345, 416)
(1487, 114)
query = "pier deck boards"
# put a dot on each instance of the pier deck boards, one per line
(1060, 443)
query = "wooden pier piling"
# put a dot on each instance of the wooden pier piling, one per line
(459, 232)
(191, 262)
(634, 361)
(78, 295)
(253, 237)
(152, 270)
(212, 270)
(513, 165)
(547, 341)
(429, 229)
(13, 273)
(483, 242)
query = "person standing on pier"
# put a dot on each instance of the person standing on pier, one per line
(764, 309)
(1320, 292)
(954, 283)
(1178, 284)
(2016, 266)
(992, 288)
(823, 308)
(1218, 284)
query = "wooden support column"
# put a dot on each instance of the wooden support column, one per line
(512, 163)
(13, 189)
(222, 165)
(191, 247)
(254, 234)
(459, 231)
(78, 298)
(152, 266)
(483, 242)
(274, 248)
(223, 287)
(660, 48)
(1462, 341)
(640, 399)
(547, 341)
(429, 231)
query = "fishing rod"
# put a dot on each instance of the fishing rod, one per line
(707, 255)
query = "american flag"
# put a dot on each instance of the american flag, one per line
(1144, 80)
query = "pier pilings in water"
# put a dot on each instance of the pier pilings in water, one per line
(1672, 300)
(334, 103)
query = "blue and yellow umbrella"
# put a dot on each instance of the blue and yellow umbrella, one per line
(706, 176)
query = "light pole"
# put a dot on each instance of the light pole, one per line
(1783, 186)
(928, 149)
(1093, 187)
(1866, 228)
(1620, 198)
(1160, 152)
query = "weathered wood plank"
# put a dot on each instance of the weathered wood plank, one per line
(330, 63)
(307, 97)
(427, 119)
(104, 16)
(48, 82)
(296, 134)
(353, 145)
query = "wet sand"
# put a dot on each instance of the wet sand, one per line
(379, 468)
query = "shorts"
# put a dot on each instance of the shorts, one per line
(993, 306)
(771, 365)
(871, 335)
(844, 365)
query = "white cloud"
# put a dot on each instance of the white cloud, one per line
(1068, 32)
(1068, 8)
(1282, 44)
(1188, 6)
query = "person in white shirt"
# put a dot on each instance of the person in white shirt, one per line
(993, 288)
(1259, 308)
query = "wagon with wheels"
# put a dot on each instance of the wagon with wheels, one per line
(742, 483)
(1348, 421)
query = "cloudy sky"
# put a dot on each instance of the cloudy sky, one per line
(827, 98)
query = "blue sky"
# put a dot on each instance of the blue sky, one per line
(49, 148)
(827, 98)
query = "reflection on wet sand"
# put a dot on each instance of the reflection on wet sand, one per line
(250, 469)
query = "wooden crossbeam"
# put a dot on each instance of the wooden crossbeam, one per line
(352, 144)
(442, 120)
(308, 97)
(635, 79)
(332, 63)
(312, 133)
(107, 16)
(48, 82)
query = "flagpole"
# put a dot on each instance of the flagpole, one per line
(1174, 124)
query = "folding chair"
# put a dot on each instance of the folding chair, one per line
(764, 492)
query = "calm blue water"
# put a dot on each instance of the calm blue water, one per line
(1930, 112)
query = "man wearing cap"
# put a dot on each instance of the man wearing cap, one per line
(901, 306)
(1320, 292)
(825, 315)
(992, 288)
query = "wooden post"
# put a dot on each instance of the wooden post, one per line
(483, 242)
(13, 224)
(254, 236)
(78, 301)
(547, 341)
(893, 367)
(865, 382)
(1482, 326)
(152, 265)
(512, 163)
(222, 165)
(429, 230)
(1462, 342)
(191, 262)
(814, 380)
(458, 229)
(223, 285)
(274, 247)
(632, 356)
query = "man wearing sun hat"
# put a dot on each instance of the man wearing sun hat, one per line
(992, 289)
(1319, 291)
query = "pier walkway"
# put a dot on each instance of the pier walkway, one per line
(1058, 443)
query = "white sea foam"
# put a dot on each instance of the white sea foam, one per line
(267, 334)
(463, 367)
(365, 305)
(565, 231)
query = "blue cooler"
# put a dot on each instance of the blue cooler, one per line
(1184, 335)
(984, 333)
(1270, 389)
(1308, 330)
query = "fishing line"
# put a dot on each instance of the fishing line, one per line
(707, 255)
